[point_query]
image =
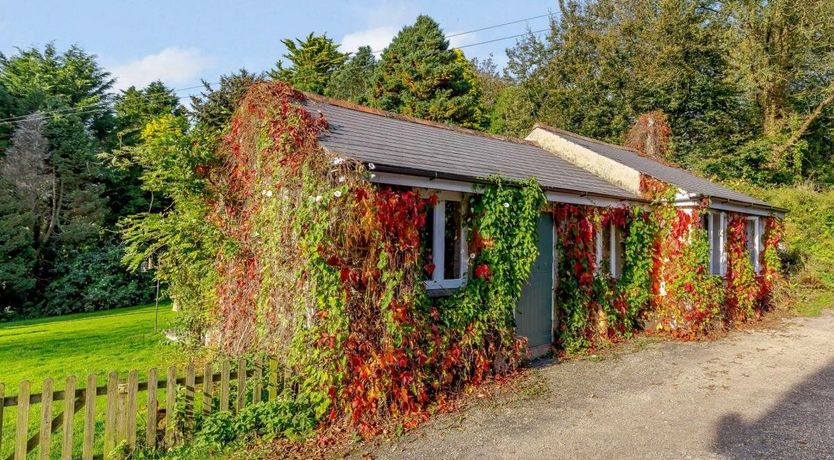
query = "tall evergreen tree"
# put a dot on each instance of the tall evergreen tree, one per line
(419, 75)
(312, 61)
(352, 81)
(214, 107)
(68, 94)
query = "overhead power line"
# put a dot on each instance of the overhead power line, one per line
(499, 25)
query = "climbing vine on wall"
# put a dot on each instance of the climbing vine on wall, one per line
(687, 298)
(479, 319)
(325, 270)
(742, 288)
(595, 307)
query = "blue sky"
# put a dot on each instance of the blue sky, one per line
(181, 42)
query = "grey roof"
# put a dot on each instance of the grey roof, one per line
(670, 174)
(401, 144)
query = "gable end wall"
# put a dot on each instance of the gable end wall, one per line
(606, 168)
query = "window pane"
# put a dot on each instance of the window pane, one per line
(427, 239)
(451, 241)
(605, 235)
(620, 258)
(717, 250)
(750, 230)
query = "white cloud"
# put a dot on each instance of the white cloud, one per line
(172, 65)
(377, 38)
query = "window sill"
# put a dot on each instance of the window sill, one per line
(443, 288)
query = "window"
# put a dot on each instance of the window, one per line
(444, 237)
(610, 251)
(752, 233)
(712, 223)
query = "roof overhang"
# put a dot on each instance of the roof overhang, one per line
(384, 174)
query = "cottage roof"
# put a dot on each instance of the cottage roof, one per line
(400, 144)
(681, 178)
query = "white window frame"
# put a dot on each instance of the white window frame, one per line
(710, 235)
(437, 281)
(756, 243)
(612, 245)
(723, 243)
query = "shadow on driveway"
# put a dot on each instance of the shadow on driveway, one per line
(801, 425)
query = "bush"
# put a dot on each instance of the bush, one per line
(93, 278)
(809, 231)
(287, 416)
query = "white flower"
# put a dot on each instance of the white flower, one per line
(337, 193)
(471, 255)
(269, 193)
(371, 166)
(338, 160)
(373, 175)
(341, 179)
(317, 198)
(506, 205)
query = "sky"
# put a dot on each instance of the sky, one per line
(183, 41)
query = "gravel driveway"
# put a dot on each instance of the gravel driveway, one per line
(766, 393)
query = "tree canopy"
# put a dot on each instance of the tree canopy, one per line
(420, 76)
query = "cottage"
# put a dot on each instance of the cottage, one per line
(450, 162)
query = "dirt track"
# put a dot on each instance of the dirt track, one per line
(766, 393)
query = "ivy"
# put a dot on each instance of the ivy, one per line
(480, 318)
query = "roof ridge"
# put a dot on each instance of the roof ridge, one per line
(421, 121)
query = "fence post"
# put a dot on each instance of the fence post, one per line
(130, 418)
(110, 417)
(150, 430)
(189, 397)
(241, 384)
(69, 411)
(90, 416)
(45, 438)
(207, 381)
(257, 375)
(170, 403)
(273, 378)
(224, 386)
(22, 428)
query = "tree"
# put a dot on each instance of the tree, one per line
(312, 61)
(418, 75)
(214, 107)
(134, 108)
(605, 62)
(27, 210)
(352, 81)
(782, 53)
(58, 187)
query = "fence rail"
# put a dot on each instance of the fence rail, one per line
(254, 381)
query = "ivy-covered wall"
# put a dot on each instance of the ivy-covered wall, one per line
(666, 285)
(325, 269)
(312, 262)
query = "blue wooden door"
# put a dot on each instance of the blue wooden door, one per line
(534, 314)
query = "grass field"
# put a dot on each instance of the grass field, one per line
(84, 343)
(80, 344)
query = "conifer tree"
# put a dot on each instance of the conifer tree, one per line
(419, 75)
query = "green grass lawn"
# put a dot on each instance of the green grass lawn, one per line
(115, 340)
(84, 343)
(812, 302)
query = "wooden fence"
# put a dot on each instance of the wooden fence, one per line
(259, 380)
